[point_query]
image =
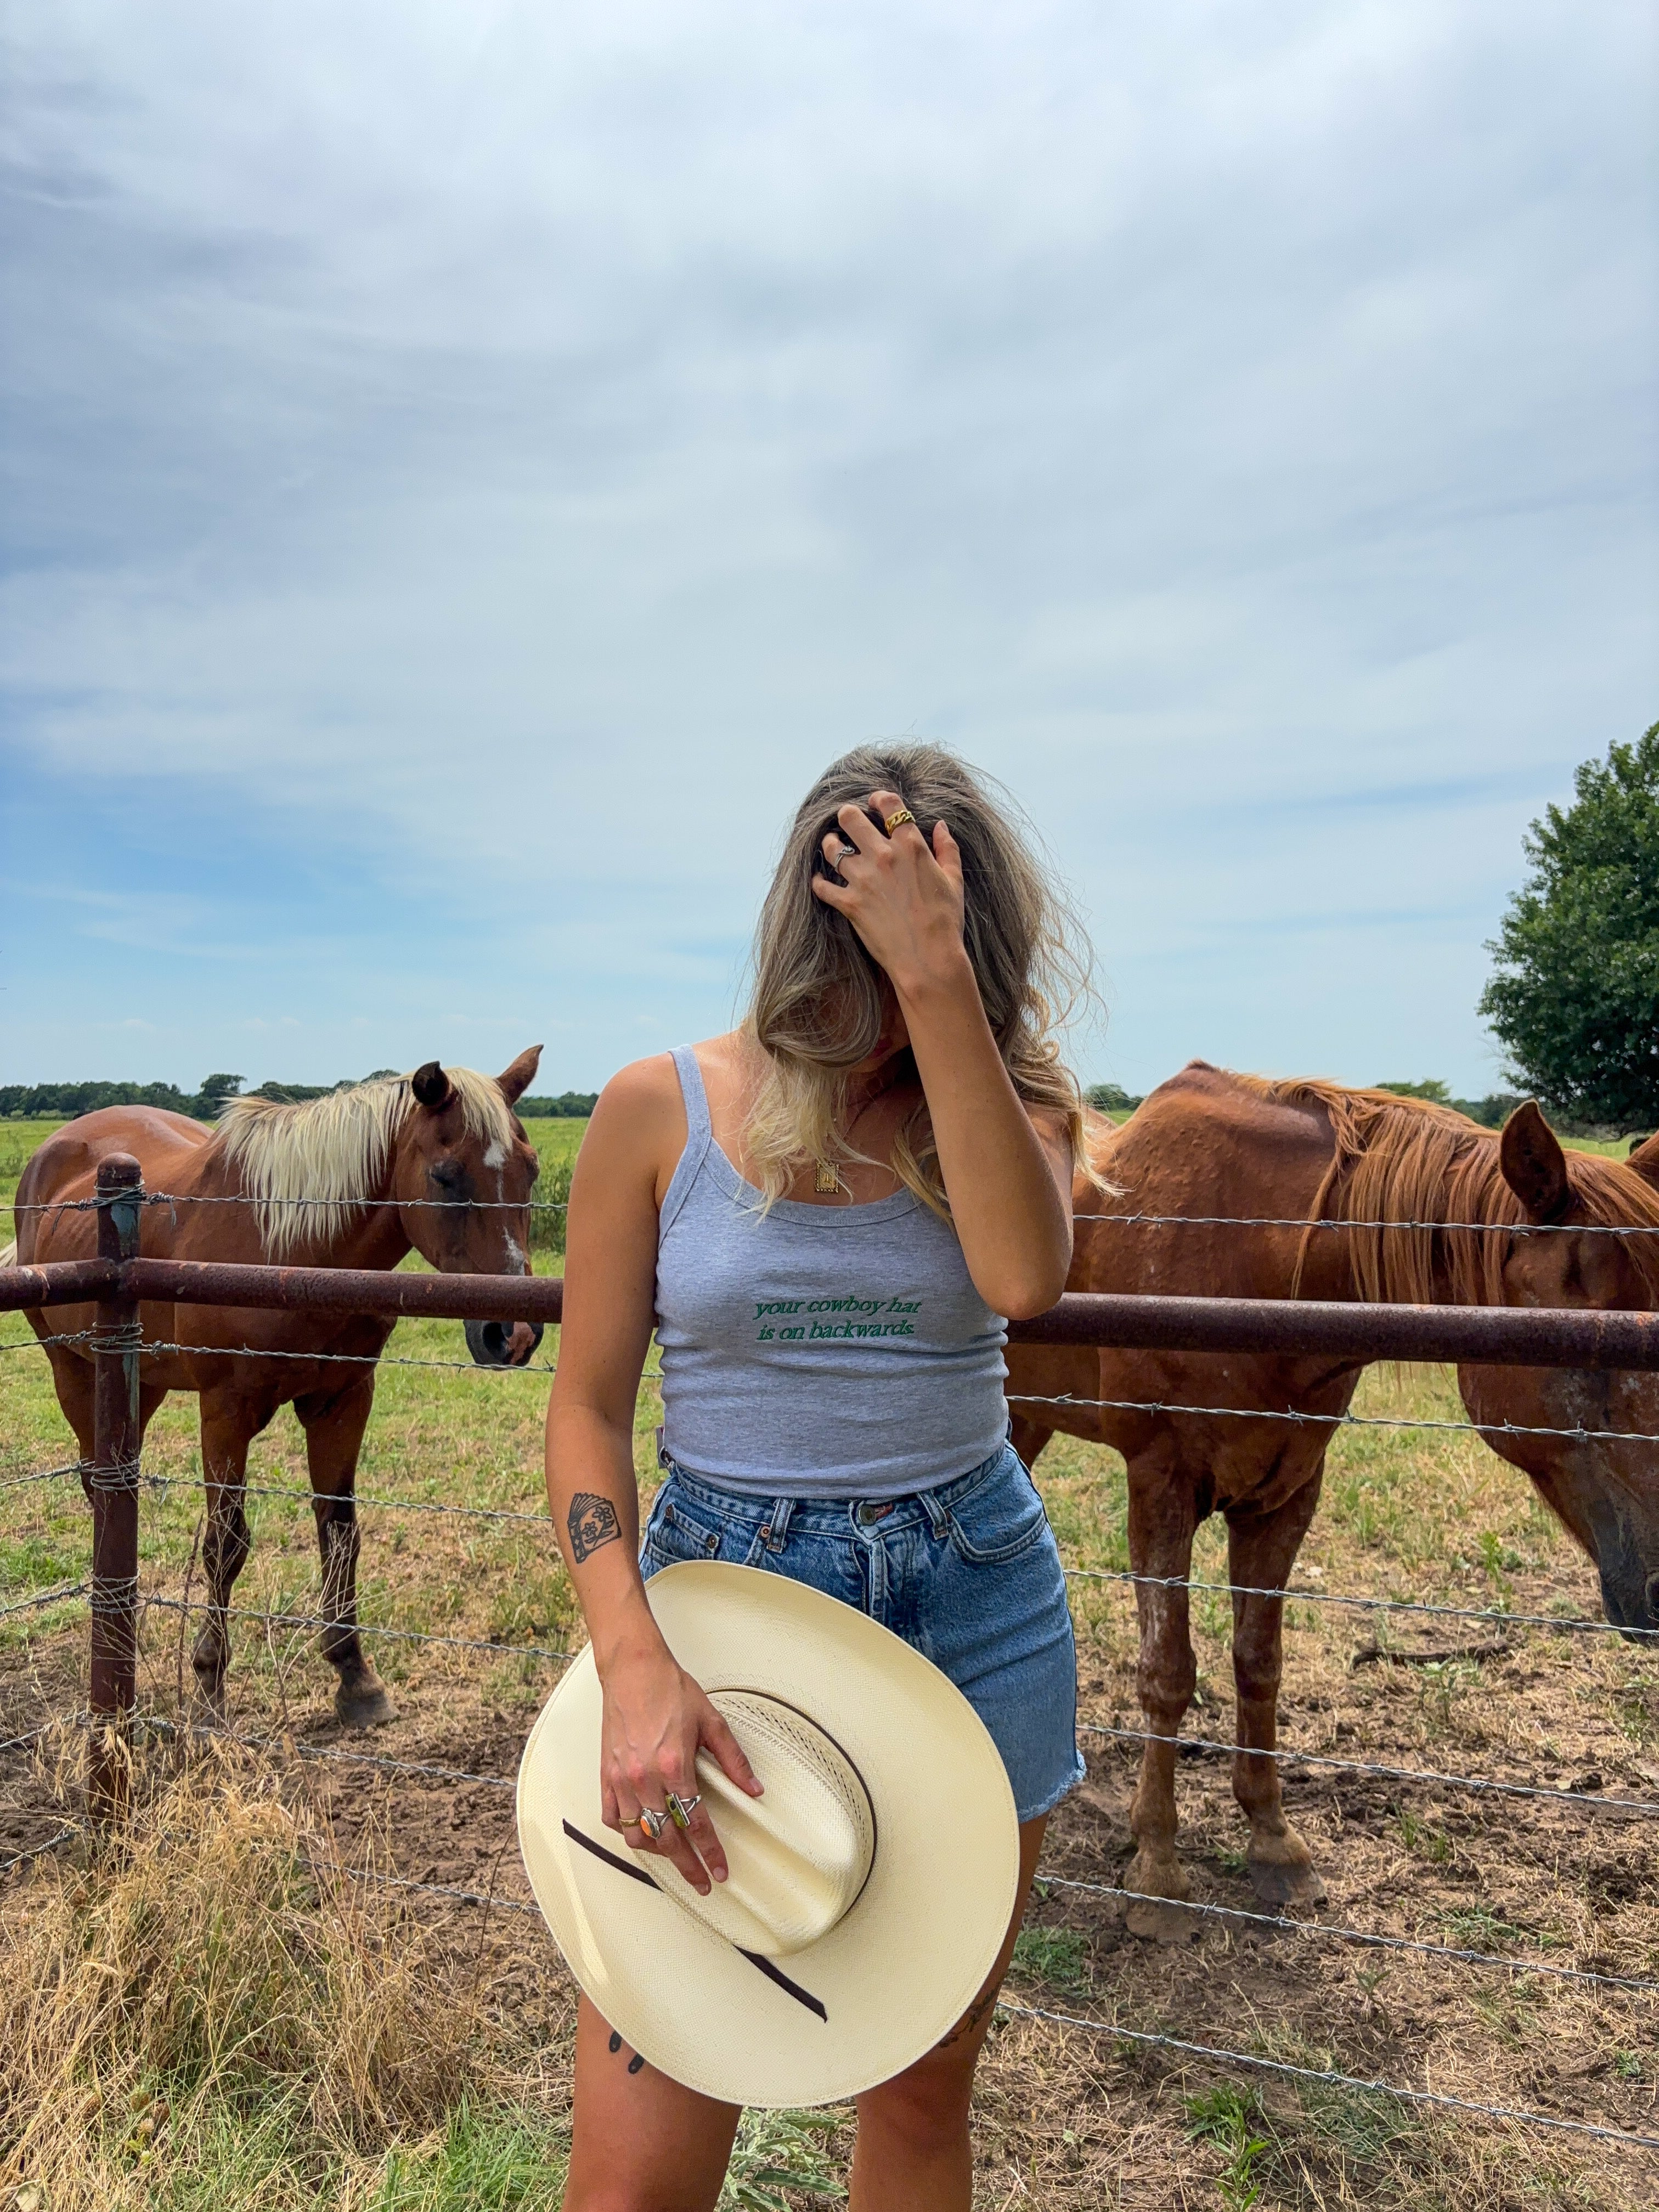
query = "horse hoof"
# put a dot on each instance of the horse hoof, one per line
(1280, 1884)
(1162, 1922)
(363, 1706)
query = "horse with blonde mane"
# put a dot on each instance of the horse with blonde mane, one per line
(1427, 1207)
(437, 1161)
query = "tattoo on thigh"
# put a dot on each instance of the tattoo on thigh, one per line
(969, 2020)
(592, 1524)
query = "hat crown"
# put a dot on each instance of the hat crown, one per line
(800, 1855)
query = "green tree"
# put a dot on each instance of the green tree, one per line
(1574, 995)
(215, 1091)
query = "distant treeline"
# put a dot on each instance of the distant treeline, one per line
(48, 1101)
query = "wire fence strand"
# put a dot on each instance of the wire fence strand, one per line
(1585, 1800)
(44, 1597)
(1487, 1616)
(311, 1620)
(1346, 1420)
(1328, 2077)
(1329, 1932)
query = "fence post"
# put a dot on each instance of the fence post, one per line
(114, 1480)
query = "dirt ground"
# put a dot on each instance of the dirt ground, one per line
(1068, 2117)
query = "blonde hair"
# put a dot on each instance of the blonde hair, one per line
(329, 1152)
(816, 1008)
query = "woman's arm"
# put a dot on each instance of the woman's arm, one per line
(1007, 1173)
(655, 1717)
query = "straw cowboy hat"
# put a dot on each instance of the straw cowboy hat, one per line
(870, 1887)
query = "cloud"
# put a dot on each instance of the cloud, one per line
(486, 460)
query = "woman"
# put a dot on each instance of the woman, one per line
(826, 1216)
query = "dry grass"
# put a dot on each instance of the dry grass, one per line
(204, 2007)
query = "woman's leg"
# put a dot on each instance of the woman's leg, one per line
(913, 2152)
(640, 2141)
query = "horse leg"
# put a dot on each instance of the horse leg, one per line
(229, 1424)
(1261, 1550)
(1163, 1515)
(334, 1422)
(1028, 1438)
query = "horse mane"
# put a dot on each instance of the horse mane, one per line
(1405, 1160)
(335, 1149)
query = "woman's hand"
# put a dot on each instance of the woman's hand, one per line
(656, 1719)
(904, 899)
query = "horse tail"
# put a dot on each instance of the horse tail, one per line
(8, 1255)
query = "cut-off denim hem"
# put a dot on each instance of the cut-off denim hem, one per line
(968, 1573)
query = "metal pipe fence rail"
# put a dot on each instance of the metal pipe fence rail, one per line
(119, 1280)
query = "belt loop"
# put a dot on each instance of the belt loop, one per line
(779, 1518)
(936, 1513)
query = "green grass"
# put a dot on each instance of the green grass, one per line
(488, 2159)
(1058, 1956)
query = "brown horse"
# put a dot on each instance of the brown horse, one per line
(1208, 1143)
(442, 1158)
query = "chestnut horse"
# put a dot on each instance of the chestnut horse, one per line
(444, 1159)
(1208, 1143)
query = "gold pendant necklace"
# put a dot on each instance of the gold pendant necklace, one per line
(825, 1181)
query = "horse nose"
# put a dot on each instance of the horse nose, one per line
(502, 1343)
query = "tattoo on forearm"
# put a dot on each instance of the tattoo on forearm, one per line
(592, 1523)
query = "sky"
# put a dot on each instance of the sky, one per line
(468, 467)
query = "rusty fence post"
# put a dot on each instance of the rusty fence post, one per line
(114, 1482)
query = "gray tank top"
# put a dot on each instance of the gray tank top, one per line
(816, 1351)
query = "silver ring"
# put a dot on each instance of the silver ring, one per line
(680, 1809)
(652, 1823)
(846, 853)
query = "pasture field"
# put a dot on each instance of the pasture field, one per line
(205, 2017)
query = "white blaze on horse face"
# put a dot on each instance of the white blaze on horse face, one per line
(497, 1156)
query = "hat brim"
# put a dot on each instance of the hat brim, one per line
(895, 1974)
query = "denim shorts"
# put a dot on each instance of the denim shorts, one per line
(969, 1573)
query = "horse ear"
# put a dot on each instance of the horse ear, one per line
(431, 1087)
(1644, 1158)
(1535, 1166)
(513, 1082)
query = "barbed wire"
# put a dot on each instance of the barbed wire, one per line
(1489, 1616)
(1333, 1934)
(1328, 2077)
(43, 1597)
(380, 1504)
(1300, 1222)
(349, 1358)
(32, 1343)
(127, 1195)
(306, 1620)
(1585, 1800)
(44, 1474)
(29, 1736)
(39, 1850)
(1293, 1221)
(1346, 1420)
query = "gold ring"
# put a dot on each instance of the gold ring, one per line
(895, 821)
